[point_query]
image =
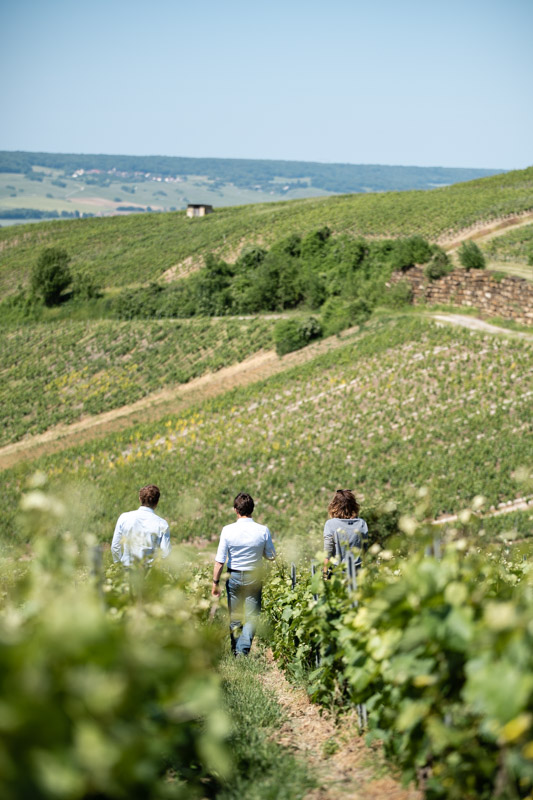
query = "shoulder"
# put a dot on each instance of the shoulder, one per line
(163, 524)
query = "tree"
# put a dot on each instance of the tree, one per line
(51, 275)
(471, 256)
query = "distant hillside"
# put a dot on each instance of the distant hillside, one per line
(135, 249)
(51, 185)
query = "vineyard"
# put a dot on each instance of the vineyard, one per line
(121, 684)
(513, 246)
(438, 663)
(119, 252)
(56, 374)
(453, 399)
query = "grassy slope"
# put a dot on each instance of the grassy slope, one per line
(57, 373)
(406, 404)
(515, 246)
(121, 251)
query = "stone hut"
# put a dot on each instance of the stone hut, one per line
(198, 210)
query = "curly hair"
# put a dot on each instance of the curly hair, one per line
(149, 495)
(343, 505)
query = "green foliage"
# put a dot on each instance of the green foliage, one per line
(57, 373)
(411, 251)
(399, 403)
(515, 246)
(398, 295)
(438, 266)
(471, 256)
(119, 251)
(100, 699)
(339, 314)
(441, 653)
(293, 334)
(51, 275)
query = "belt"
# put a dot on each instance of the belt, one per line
(242, 571)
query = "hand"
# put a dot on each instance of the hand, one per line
(215, 590)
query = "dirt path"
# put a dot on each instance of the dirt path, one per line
(171, 400)
(476, 324)
(483, 231)
(175, 399)
(351, 770)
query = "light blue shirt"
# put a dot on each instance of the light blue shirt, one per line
(138, 534)
(244, 544)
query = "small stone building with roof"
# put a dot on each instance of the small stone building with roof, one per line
(198, 210)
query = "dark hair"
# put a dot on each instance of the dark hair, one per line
(149, 495)
(343, 505)
(244, 504)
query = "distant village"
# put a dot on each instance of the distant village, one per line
(120, 174)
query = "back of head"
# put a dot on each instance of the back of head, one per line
(343, 505)
(149, 495)
(244, 504)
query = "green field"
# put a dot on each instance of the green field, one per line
(406, 404)
(123, 251)
(18, 192)
(57, 373)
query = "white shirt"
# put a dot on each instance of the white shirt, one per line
(244, 543)
(138, 534)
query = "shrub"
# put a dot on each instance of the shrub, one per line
(339, 314)
(398, 295)
(104, 692)
(51, 276)
(292, 334)
(471, 256)
(408, 252)
(84, 288)
(438, 266)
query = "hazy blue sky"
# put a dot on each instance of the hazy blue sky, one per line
(430, 83)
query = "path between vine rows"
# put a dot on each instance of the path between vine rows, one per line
(175, 399)
(354, 771)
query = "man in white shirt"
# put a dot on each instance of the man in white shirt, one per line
(243, 544)
(140, 534)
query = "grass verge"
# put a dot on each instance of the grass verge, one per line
(263, 769)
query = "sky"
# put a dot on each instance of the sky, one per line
(408, 82)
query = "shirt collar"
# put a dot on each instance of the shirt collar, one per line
(147, 508)
(244, 519)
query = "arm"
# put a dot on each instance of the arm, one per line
(116, 544)
(164, 542)
(220, 560)
(270, 551)
(217, 572)
(329, 546)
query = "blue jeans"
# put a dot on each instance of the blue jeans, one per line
(244, 603)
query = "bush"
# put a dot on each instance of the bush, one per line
(339, 314)
(51, 276)
(438, 266)
(84, 288)
(471, 256)
(104, 692)
(408, 252)
(398, 295)
(292, 334)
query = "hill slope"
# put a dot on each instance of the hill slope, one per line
(405, 404)
(122, 251)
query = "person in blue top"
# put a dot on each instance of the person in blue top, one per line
(345, 526)
(243, 544)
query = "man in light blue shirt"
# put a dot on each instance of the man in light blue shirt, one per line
(243, 544)
(140, 534)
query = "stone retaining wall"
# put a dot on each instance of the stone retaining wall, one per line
(509, 298)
